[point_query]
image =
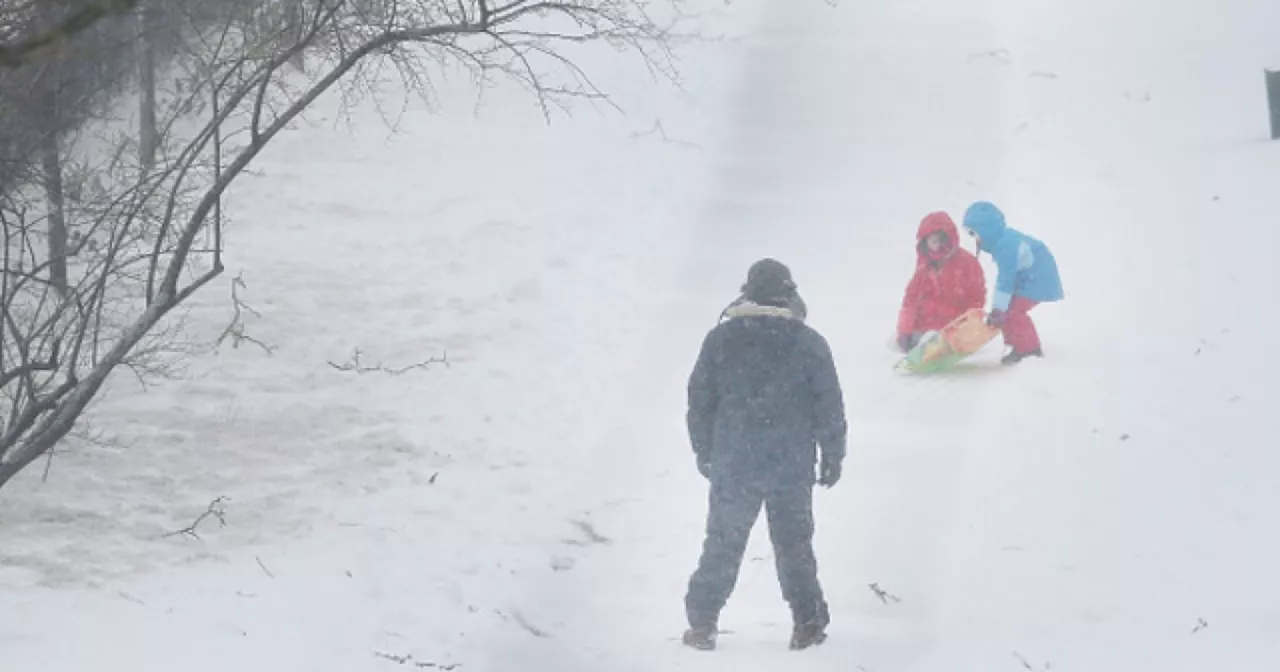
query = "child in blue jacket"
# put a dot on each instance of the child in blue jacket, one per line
(1027, 276)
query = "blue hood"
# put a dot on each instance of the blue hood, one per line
(986, 220)
(1026, 266)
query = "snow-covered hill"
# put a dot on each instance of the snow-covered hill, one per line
(533, 505)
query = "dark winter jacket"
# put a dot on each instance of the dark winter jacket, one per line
(763, 395)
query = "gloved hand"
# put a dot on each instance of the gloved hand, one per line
(996, 318)
(829, 472)
(908, 341)
(704, 466)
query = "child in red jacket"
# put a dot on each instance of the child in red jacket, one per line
(947, 282)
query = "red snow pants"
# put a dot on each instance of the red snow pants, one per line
(1019, 331)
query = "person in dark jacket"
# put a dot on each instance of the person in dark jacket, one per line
(742, 306)
(763, 397)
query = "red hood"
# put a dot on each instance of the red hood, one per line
(932, 223)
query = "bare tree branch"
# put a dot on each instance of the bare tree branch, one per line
(29, 368)
(356, 366)
(236, 329)
(408, 659)
(884, 595)
(215, 511)
(529, 627)
(146, 235)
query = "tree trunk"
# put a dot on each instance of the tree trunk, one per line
(50, 124)
(293, 17)
(52, 162)
(148, 134)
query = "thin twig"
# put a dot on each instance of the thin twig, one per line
(355, 365)
(883, 594)
(215, 510)
(1028, 665)
(531, 628)
(407, 659)
(48, 464)
(661, 132)
(590, 531)
(236, 330)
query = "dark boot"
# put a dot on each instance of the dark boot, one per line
(808, 634)
(702, 638)
(790, 511)
(1014, 357)
(734, 509)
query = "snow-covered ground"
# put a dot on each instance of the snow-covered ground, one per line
(533, 505)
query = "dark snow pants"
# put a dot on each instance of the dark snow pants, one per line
(734, 508)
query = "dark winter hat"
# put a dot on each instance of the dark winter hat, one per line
(768, 280)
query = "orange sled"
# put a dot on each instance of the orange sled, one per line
(938, 350)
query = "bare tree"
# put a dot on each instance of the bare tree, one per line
(45, 103)
(158, 228)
